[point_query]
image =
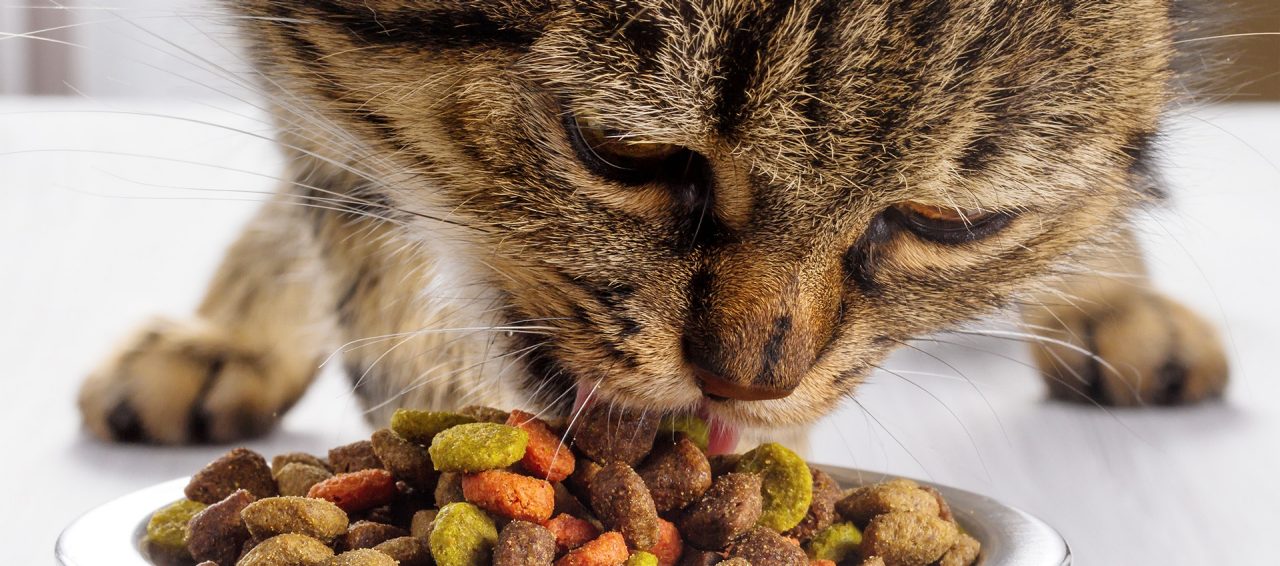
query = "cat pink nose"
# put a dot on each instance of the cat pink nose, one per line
(715, 386)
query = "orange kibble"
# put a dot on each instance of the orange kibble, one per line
(571, 532)
(357, 491)
(545, 456)
(823, 562)
(669, 546)
(609, 549)
(511, 495)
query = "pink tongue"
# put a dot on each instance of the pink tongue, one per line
(585, 397)
(722, 437)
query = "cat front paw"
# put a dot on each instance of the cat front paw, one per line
(1140, 348)
(180, 383)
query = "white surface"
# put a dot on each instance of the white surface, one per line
(91, 243)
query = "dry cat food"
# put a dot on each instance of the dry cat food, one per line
(485, 487)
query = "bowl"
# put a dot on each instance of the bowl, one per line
(110, 535)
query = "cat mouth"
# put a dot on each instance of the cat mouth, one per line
(722, 435)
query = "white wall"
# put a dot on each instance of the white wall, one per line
(121, 48)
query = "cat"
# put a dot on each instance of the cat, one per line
(729, 207)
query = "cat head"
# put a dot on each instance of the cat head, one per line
(736, 204)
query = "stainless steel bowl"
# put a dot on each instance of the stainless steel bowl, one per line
(110, 534)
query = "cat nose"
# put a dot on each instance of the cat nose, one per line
(757, 322)
(717, 387)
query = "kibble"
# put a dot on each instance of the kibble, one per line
(908, 538)
(463, 536)
(608, 434)
(477, 447)
(315, 518)
(786, 486)
(489, 487)
(288, 550)
(217, 533)
(729, 507)
(238, 469)
(621, 501)
(522, 543)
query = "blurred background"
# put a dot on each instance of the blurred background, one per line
(132, 149)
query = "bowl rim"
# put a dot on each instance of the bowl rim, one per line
(110, 533)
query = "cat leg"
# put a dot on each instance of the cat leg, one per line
(231, 371)
(1106, 337)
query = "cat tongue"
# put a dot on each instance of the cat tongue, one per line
(722, 437)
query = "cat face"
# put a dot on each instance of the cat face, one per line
(740, 205)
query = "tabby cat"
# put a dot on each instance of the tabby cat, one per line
(731, 207)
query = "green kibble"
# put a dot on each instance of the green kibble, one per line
(463, 536)
(691, 426)
(167, 529)
(476, 447)
(786, 485)
(835, 543)
(642, 558)
(422, 426)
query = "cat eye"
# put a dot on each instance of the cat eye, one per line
(613, 155)
(948, 225)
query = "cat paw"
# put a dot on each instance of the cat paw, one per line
(180, 383)
(1140, 349)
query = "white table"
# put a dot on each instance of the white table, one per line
(91, 243)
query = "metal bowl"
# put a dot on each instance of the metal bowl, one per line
(110, 535)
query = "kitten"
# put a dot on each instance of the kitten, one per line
(733, 207)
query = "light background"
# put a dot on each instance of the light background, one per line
(93, 241)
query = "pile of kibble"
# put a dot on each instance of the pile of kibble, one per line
(483, 486)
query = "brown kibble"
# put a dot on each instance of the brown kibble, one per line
(408, 551)
(353, 457)
(872, 561)
(296, 478)
(571, 532)
(908, 538)
(762, 545)
(315, 518)
(963, 553)
(288, 550)
(407, 461)
(449, 489)
(361, 557)
(822, 511)
(736, 561)
(621, 501)
(728, 508)
(357, 491)
(484, 414)
(899, 495)
(280, 461)
(422, 523)
(522, 543)
(368, 534)
(238, 469)
(609, 549)
(613, 434)
(676, 475)
(695, 557)
(217, 533)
